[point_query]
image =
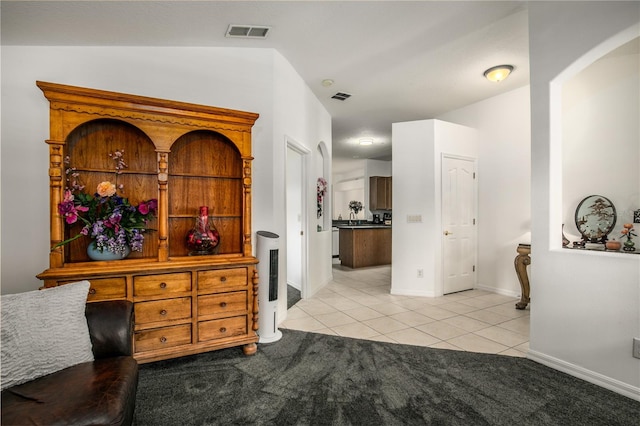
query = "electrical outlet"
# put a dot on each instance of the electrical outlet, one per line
(636, 347)
(420, 273)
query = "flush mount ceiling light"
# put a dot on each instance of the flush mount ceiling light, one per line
(366, 141)
(498, 73)
(247, 31)
(327, 82)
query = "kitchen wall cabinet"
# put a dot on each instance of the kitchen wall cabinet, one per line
(380, 196)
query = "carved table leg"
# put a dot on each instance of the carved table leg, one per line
(520, 263)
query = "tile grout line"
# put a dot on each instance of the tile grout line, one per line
(349, 289)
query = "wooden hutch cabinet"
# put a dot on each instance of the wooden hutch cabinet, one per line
(185, 156)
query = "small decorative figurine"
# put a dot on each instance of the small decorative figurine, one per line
(627, 231)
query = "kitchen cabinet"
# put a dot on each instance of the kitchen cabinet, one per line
(380, 196)
(362, 246)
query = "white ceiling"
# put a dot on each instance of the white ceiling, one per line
(400, 60)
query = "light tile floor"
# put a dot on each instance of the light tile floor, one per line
(358, 303)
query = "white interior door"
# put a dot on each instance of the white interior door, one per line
(458, 224)
(294, 218)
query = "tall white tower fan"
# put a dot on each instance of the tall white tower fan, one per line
(267, 253)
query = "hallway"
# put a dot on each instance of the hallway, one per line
(357, 304)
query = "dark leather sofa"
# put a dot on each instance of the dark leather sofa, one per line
(102, 392)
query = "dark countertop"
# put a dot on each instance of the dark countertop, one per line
(363, 226)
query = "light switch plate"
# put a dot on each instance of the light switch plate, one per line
(636, 347)
(414, 218)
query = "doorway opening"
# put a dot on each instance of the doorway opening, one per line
(296, 218)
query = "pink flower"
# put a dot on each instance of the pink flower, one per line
(106, 189)
(149, 206)
(68, 196)
(143, 208)
(68, 209)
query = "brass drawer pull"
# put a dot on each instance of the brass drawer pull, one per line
(163, 312)
(163, 339)
(223, 279)
(223, 329)
(92, 291)
(163, 285)
(223, 304)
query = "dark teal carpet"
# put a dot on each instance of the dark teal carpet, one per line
(293, 296)
(315, 379)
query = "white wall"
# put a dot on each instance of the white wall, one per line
(600, 134)
(256, 80)
(348, 185)
(504, 184)
(353, 184)
(301, 117)
(343, 193)
(585, 305)
(417, 150)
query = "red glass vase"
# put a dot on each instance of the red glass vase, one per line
(203, 238)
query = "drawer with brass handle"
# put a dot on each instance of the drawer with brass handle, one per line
(160, 338)
(105, 288)
(161, 284)
(162, 310)
(221, 279)
(221, 328)
(224, 304)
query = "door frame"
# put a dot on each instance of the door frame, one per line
(304, 222)
(474, 160)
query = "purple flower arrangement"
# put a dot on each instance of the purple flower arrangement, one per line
(109, 219)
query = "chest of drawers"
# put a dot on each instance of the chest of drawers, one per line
(184, 310)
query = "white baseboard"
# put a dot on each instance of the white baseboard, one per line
(501, 291)
(587, 375)
(401, 292)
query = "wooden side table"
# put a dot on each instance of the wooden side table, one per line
(521, 261)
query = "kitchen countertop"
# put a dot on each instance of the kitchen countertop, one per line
(363, 226)
(358, 224)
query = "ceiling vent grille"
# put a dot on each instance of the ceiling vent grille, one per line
(247, 31)
(341, 96)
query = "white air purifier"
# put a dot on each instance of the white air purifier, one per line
(267, 254)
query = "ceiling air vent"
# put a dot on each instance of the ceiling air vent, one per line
(247, 31)
(341, 96)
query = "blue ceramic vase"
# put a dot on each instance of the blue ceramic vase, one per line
(95, 254)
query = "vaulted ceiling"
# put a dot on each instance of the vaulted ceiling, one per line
(399, 60)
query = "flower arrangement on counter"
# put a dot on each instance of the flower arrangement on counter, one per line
(321, 188)
(355, 206)
(109, 219)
